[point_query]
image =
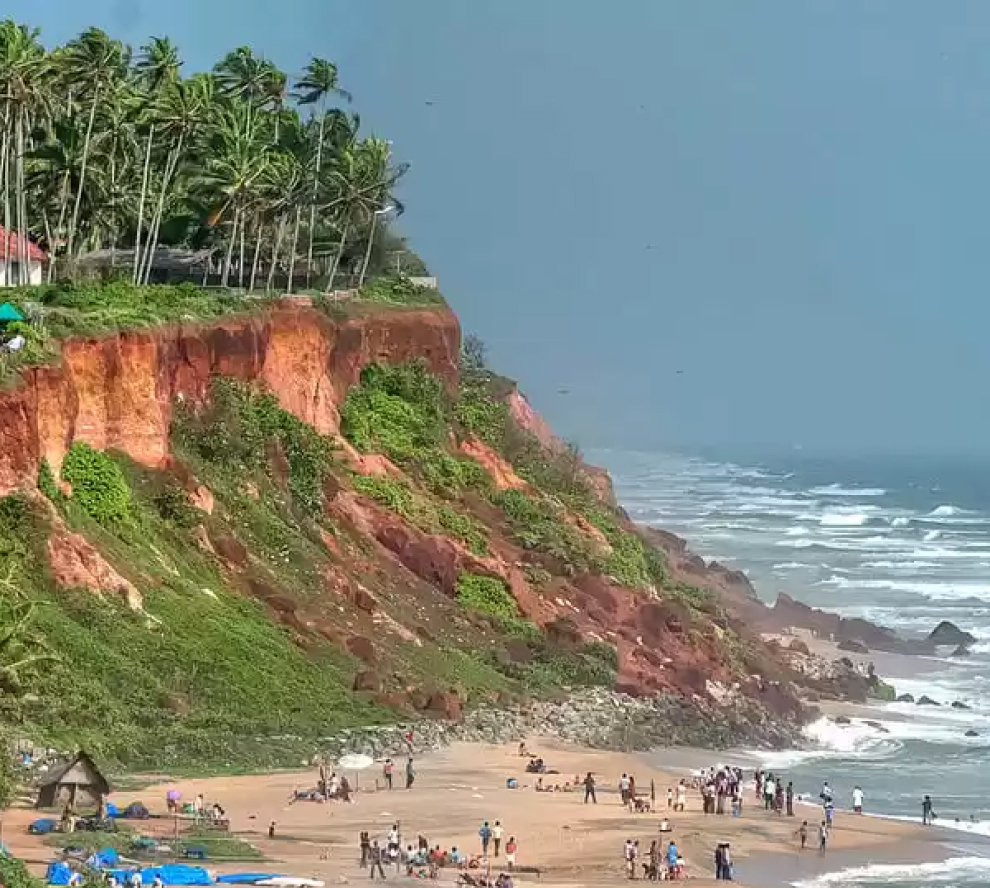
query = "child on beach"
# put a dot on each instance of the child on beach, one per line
(822, 837)
(803, 834)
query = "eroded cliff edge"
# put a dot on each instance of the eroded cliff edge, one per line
(287, 523)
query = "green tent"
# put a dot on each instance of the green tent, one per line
(9, 313)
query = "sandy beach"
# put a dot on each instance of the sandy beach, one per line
(571, 843)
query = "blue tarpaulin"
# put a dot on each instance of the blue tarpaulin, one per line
(112, 810)
(247, 878)
(43, 826)
(58, 873)
(105, 858)
(171, 874)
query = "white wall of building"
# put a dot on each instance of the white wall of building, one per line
(9, 277)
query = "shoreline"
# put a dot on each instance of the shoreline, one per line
(574, 844)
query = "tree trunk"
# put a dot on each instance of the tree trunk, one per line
(295, 244)
(312, 206)
(145, 176)
(240, 263)
(82, 175)
(340, 252)
(280, 233)
(170, 168)
(257, 251)
(367, 252)
(225, 277)
(5, 159)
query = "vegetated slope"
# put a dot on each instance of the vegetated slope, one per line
(266, 584)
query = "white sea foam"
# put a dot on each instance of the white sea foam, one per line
(844, 519)
(937, 591)
(953, 870)
(945, 511)
(839, 490)
(900, 521)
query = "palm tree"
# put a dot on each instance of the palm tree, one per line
(91, 65)
(243, 75)
(24, 87)
(318, 82)
(183, 110)
(157, 67)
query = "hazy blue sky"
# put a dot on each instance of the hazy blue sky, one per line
(787, 201)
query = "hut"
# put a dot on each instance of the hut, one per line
(78, 784)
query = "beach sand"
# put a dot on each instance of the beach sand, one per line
(572, 843)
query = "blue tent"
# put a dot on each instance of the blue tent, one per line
(105, 858)
(112, 810)
(43, 826)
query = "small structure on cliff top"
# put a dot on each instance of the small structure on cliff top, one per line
(78, 783)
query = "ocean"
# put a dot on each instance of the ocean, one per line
(902, 542)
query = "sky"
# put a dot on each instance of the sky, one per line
(678, 224)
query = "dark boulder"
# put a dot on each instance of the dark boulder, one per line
(925, 700)
(905, 698)
(972, 733)
(853, 646)
(958, 704)
(946, 633)
(843, 720)
(961, 651)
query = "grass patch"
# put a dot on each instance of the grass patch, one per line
(399, 290)
(218, 846)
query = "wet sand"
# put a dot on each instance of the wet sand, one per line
(572, 843)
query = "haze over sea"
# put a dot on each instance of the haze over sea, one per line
(903, 542)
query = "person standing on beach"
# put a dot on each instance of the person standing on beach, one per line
(485, 833)
(790, 798)
(857, 800)
(497, 835)
(589, 790)
(803, 834)
(410, 773)
(624, 788)
(822, 837)
(769, 788)
(387, 772)
(927, 816)
(670, 798)
(376, 860)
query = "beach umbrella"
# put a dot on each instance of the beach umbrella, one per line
(355, 762)
(9, 313)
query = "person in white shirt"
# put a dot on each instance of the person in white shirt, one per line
(497, 835)
(858, 800)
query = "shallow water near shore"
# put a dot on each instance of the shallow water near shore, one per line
(903, 543)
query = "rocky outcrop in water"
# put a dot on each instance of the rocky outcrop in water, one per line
(946, 633)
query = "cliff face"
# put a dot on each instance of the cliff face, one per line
(119, 392)
(432, 558)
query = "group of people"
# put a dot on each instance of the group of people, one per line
(426, 860)
(388, 773)
(659, 865)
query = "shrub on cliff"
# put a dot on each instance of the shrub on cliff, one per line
(399, 290)
(98, 484)
(486, 594)
(395, 410)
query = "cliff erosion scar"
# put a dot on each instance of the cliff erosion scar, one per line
(118, 392)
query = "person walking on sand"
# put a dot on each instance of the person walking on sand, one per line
(670, 798)
(681, 797)
(589, 792)
(789, 796)
(497, 835)
(365, 842)
(387, 772)
(510, 852)
(927, 815)
(857, 800)
(822, 837)
(802, 834)
(376, 860)
(485, 833)
(410, 773)
(673, 858)
(624, 789)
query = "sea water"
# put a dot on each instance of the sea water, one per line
(902, 542)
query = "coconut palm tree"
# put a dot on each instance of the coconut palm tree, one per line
(157, 67)
(318, 83)
(90, 66)
(24, 92)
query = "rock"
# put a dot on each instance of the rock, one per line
(446, 704)
(961, 651)
(362, 648)
(971, 733)
(799, 647)
(852, 646)
(905, 698)
(76, 564)
(946, 633)
(958, 704)
(367, 680)
(843, 720)
(925, 700)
